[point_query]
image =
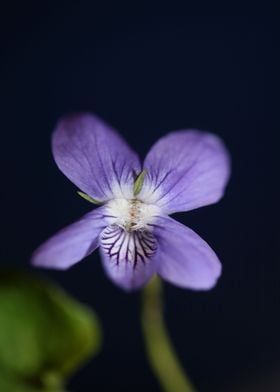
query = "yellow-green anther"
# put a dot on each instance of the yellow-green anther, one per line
(138, 183)
(88, 198)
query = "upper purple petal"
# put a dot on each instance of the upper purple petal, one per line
(94, 157)
(72, 243)
(186, 170)
(184, 258)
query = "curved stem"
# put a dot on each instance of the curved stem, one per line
(161, 353)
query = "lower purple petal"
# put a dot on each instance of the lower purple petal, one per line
(128, 257)
(71, 244)
(184, 258)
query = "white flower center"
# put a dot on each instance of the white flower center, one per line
(131, 214)
(128, 238)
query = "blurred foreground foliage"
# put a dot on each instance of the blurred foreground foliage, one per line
(44, 334)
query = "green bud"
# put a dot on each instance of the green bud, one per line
(88, 198)
(138, 183)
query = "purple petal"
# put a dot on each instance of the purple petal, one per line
(94, 157)
(71, 244)
(184, 258)
(186, 170)
(128, 257)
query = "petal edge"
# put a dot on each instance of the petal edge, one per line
(94, 156)
(186, 170)
(184, 258)
(71, 244)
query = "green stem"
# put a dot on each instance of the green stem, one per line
(161, 353)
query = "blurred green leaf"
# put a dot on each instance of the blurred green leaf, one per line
(44, 334)
(10, 384)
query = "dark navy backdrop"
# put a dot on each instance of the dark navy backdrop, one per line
(149, 71)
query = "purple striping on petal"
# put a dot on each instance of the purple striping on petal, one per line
(130, 247)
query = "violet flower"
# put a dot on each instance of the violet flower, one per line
(184, 170)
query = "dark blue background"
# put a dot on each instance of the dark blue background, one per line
(148, 71)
